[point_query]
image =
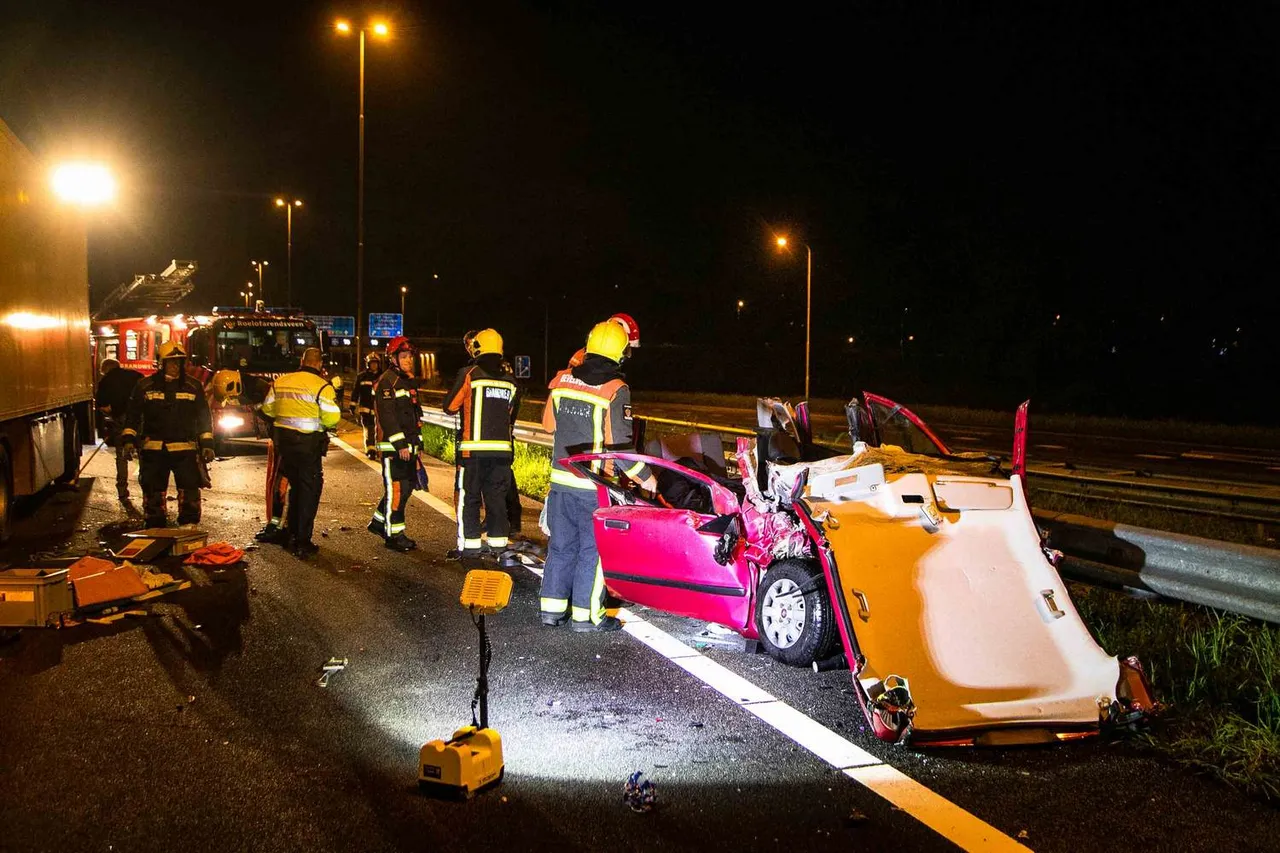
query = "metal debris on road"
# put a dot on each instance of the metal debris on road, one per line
(330, 667)
(640, 796)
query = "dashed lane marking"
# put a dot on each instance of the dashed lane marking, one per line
(966, 438)
(1156, 456)
(1051, 447)
(965, 830)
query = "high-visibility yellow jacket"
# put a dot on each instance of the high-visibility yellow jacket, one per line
(303, 401)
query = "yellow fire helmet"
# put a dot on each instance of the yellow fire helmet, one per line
(487, 342)
(171, 349)
(226, 383)
(607, 339)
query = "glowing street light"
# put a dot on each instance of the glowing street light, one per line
(782, 242)
(259, 265)
(403, 291)
(381, 30)
(85, 184)
(288, 211)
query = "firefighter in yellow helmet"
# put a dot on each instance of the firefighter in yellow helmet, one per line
(167, 424)
(303, 407)
(588, 408)
(485, 395)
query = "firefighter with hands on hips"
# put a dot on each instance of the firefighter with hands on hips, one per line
(485, 395)
(168, 427)
(588, 408)
(398, 419)
(303, 407)
(362, 402)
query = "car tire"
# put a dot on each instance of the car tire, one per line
(794, 619)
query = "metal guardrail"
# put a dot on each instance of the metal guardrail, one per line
(1239, 578)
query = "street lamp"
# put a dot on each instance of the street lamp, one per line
(85, 184)
(403, 291)
(381, 30)
(741, 305)
(808, 304)
(258, 265)
(288, 211)
(246, 298)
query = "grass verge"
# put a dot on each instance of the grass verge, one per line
(532, 463)
(1218, 675)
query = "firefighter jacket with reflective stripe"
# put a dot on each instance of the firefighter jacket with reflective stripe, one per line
(303, 401)
(487, 397)
(588, 418)
(168, 415)
(363, 396)
(396, 410)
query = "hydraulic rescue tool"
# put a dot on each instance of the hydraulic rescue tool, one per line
(472, 758)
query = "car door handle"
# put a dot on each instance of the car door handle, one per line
(617, 524)
(864, 609)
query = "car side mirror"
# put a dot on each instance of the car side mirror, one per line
(729, 529)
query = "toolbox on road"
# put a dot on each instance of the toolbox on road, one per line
(33, 598)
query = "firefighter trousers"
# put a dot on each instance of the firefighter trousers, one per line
(484, 480)
(572, 574)
(154, 467)
(398, 479)
(300, 458)
(369, 425)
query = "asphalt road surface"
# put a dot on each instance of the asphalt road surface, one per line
(200, 726)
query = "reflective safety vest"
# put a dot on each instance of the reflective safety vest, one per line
(364, 392)
(487, 401)
(588, 419)
(303, 401)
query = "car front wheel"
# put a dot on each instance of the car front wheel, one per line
(793, 614)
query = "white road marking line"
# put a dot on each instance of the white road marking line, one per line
(966, 438)
(1273, 468)
(426, 497)
(965, 830)
(1156, 456)
(1050, 447)
(1195, 454)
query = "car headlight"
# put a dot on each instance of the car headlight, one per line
(230, 421)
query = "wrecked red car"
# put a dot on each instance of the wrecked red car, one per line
(919, 569)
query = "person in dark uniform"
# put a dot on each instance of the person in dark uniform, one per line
(399, 426)
(362, 402)
(112, 398)
(168, 427)
(588, 407)
(485, 395)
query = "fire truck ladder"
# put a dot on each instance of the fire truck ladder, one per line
(149, 294)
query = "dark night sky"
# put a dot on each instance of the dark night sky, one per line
(987, 169)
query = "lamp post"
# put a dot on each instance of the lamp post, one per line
(808, 304)
(403, 290)
(288, 212)
(741, 305)
(259, 265)
(380, 29)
